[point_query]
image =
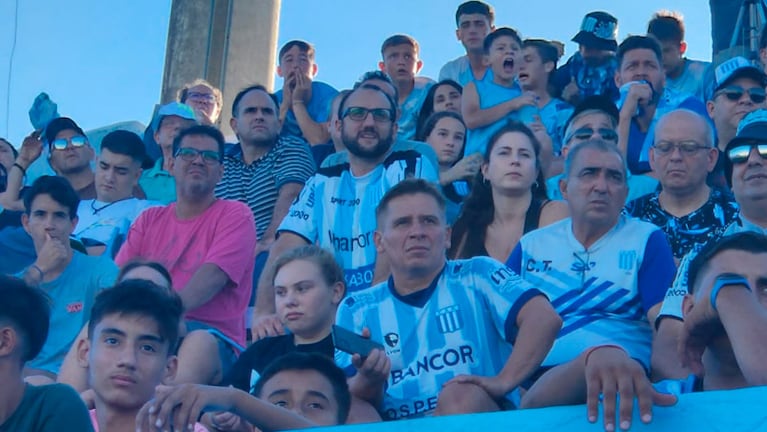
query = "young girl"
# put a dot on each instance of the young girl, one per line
(443, 96)
(445, 132)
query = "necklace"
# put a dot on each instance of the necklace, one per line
(97, 210)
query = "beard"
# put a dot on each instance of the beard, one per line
(379, 149)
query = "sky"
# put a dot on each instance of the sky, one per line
(102, 61)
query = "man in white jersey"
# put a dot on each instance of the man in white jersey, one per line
(104, 221)
(746, 172)
(447, 326)
(605, 274)
(336, 207)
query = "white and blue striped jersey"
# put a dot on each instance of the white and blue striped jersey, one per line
(463, 323)
(672, 303)
(337, 210)
(602, 293)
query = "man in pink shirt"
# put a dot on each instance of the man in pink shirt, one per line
(207, 245)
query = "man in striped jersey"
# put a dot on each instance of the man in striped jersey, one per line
(266, 171)
(447, 326)
(336, 208)
(606, 275)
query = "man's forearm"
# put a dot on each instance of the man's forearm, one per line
(288, 192)
(373, 394)
(538, 328)
(314, 133)
(206, 282)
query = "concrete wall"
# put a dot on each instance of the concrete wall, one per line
(230, 43)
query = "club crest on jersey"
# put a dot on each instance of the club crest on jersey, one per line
(449, 319)
(626, 259)
(391, 339)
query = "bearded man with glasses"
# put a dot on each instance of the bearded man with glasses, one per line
(738, 90)
(207, 245)
(685, 208)
(336, 208)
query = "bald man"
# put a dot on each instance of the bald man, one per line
(685, 208)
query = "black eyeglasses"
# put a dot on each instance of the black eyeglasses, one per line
(380, 115)
(686, 148)
(734, 93)
(586, 133)
(189, 154)
(741, 153)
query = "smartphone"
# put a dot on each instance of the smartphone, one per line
(352, 343)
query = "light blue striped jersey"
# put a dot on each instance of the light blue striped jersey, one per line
(672, 303)
(337, 210)
(463, 323)
(490, 95)
(602, 293)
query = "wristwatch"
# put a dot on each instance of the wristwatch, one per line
(727, 279)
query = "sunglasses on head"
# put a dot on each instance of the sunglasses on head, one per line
(586, 133)
(734, 93)
(740, 154)
(75, 141)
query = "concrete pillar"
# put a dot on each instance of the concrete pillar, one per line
(230, 43)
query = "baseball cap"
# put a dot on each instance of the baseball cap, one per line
(753, 127)
(174, 108)
(734, 68)
(59, 124)
(598, 30)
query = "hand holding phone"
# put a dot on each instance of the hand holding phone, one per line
(352, 343)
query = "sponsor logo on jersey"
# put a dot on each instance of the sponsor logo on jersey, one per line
(391, 339)
(434, 362)
(411, 408)
(358, 278)
(449, 319)
(344, 201)
(350, 244)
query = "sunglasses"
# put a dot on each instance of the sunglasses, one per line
(586, 133)
(76, 142)
(380, 115)
(687, 148)
(741, 153)
(189, 154)
(734, 93)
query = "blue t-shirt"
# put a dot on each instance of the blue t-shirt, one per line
(463, 323)
(638, 153)
(490, 94)
(72, 295)
(318, 108)
(337, 210)
(692, 80)
(602, 293)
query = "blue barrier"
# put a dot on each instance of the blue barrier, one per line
(733, 410)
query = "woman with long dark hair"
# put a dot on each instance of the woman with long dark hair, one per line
(508, 198)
